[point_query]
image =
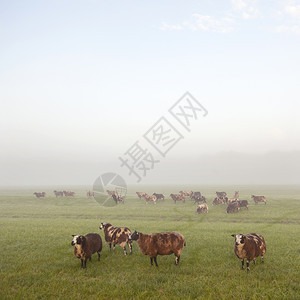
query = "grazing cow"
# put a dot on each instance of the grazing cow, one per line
(221, 194)
(218, 201)
(233, 207)
(249, 246)
(159, 196)
(117, 236)
(39, 194)
(141, 194)
(257, 199)
(90, 194)
(201, 208)
(58, 193)
(164, 243)
(177, 197)
(243, 203)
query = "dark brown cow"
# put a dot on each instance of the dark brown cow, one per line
(249, 246)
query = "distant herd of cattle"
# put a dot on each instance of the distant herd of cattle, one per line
(234, 204)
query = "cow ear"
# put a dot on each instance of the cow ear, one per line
(73, 235)
(233, 235)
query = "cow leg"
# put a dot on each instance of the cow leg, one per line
(155, 261)
(262, 259)
(124, 250)
(248, 268)
(254, 261)
(151, 261)
(109, 246)
(243, 264)
(90, 258)
(81, 263)
(177, 258)
(114, 247)
(98, 255)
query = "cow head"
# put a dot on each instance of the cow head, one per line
(239, 239)
(134, 236)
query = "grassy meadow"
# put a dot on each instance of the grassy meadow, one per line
(37, 260)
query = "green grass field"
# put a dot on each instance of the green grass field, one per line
(37, 260)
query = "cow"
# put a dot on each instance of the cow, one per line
(257, 199)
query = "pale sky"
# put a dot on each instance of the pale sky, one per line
(82, 81)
